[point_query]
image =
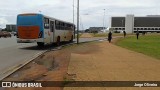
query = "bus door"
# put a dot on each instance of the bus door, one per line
(52, 31)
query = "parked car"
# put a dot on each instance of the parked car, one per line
(1, 34)
(5, 34)
(15, 33)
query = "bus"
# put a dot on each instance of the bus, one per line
(41, 29)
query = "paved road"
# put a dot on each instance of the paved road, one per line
(7, 42)
(13, 55)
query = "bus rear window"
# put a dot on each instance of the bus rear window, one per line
(27, 20)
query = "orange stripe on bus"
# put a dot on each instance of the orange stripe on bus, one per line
(28, 32)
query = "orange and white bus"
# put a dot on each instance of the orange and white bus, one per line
(41, 29)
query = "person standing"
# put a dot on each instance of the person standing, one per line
(124, 32)
(110, 36)
(137, 34)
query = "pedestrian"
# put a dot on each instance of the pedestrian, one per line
(124, 32)
(110, 36)
(137, 34)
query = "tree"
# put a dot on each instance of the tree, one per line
(87, 30)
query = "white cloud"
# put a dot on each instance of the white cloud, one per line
(62, 9)
(3, 21)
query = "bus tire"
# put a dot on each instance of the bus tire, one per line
(40, 44)
(58, 41)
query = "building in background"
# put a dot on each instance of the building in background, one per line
(118, 24)
(11, 27)
(132, 24)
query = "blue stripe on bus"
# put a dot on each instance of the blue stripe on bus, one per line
(32, 20)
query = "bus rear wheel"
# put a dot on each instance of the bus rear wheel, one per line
(58, 41)
(71, 39)
(40, 44)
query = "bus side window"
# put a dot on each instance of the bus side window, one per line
(46, 23)
(52, 26)
(57, 25)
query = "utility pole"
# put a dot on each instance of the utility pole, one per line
(73, 11)
(73, 20)
(77, 21)
(104, 19)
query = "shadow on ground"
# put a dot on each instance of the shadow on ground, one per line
(46, 47)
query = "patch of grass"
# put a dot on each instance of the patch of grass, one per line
(99, 34)
(117, 34)
(106, 34)
(79, 35)
(149, 45)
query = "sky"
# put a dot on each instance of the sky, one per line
(91, 11)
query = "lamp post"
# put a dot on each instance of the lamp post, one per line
(73, 19)
(73, 11)
(104, 19)
(77, 21)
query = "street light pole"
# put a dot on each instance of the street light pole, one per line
(77, 21)
(73, 18)
(73, 11)
(104, 19)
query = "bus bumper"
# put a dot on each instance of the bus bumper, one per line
(29, 40)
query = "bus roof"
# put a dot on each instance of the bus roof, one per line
(27, 14)
(30, 14)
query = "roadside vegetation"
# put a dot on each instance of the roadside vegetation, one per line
(105, 34)
(148, 45)
(99, 34)
(79, 35)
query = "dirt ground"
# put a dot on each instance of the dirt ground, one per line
(95, 61)
(112, 63)
(51, 66)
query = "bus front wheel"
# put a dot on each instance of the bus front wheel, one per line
(40, 44)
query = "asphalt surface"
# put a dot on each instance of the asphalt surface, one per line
(13, 54)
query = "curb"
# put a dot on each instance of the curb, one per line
(19, 66)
